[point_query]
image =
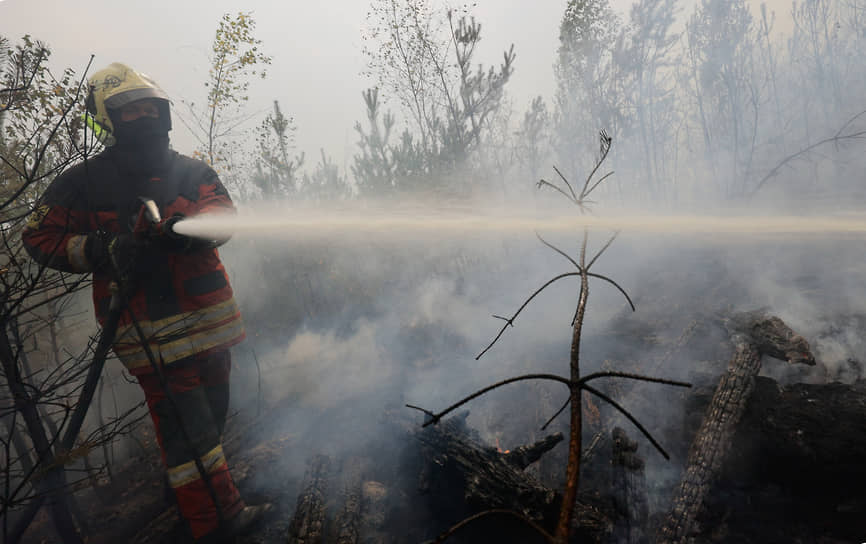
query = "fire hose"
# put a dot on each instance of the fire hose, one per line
(151, 222)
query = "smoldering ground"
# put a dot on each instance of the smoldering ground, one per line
(344, 329)
(347, 329)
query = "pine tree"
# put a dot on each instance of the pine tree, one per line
(423, 58)
(275, 171)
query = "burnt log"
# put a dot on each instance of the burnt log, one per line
(458, 476)
(374, 513)
(795, 470)
(458, 464)
(808, 437)
(348, 525)
(629, 490)
(754, 334)
(523, 456)
(308, 523)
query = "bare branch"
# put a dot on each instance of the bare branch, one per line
(426, 411)
(836, 138)
(542, 182)
(597, 183)
(605, 141)
(435, 418)
(556, 415)
(602, 250)
(522, 306)
(630, 376)
(630, 417)
(615, 284)
(850, 122)
(567, 184)
(556, 249)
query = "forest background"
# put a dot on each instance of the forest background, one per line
(709, 104)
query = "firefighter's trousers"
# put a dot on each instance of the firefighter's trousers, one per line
(200, 391)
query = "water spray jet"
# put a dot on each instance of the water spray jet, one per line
(424, 222)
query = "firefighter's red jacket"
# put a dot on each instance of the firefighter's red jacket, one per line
(182, 299)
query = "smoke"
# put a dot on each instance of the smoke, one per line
(351, 325)
(359, 308)
(814, 286)
(397, 353)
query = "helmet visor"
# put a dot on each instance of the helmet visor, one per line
(121, 99)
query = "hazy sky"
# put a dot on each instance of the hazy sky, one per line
(315, 45)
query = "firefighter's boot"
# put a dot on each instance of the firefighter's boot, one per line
(242, 523)
(248, 518)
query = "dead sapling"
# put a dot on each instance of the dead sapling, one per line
(575, 382)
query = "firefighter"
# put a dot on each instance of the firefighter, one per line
(175, 288)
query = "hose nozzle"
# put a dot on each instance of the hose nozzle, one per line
(151, 210)
(151, 223)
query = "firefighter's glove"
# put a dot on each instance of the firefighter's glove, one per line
(170, 241)
(113, 252)
(167, 239)
(165, 228)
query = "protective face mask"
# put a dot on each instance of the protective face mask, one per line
(142, 145)
(144, 132)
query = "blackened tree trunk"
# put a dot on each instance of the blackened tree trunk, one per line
(54, 481)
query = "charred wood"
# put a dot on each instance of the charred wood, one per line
(754, 334)
(808, 437)
(460, 477)
(769, 335)
(458, 466)
(308, 523)
(374, 513)
(795, 469)
(348, 525)
(629, 488)
(523, 456)
(712, 443)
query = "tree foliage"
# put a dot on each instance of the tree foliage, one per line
(40, 123)
(422, 57)
(41, 136)
(586, 94)
(276, 171)
(650, 40)
(234, 58)
(326, 182)
(720, 45)
(533, 139)
(709, 111)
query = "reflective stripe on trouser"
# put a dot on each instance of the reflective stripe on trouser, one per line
(199, 386)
